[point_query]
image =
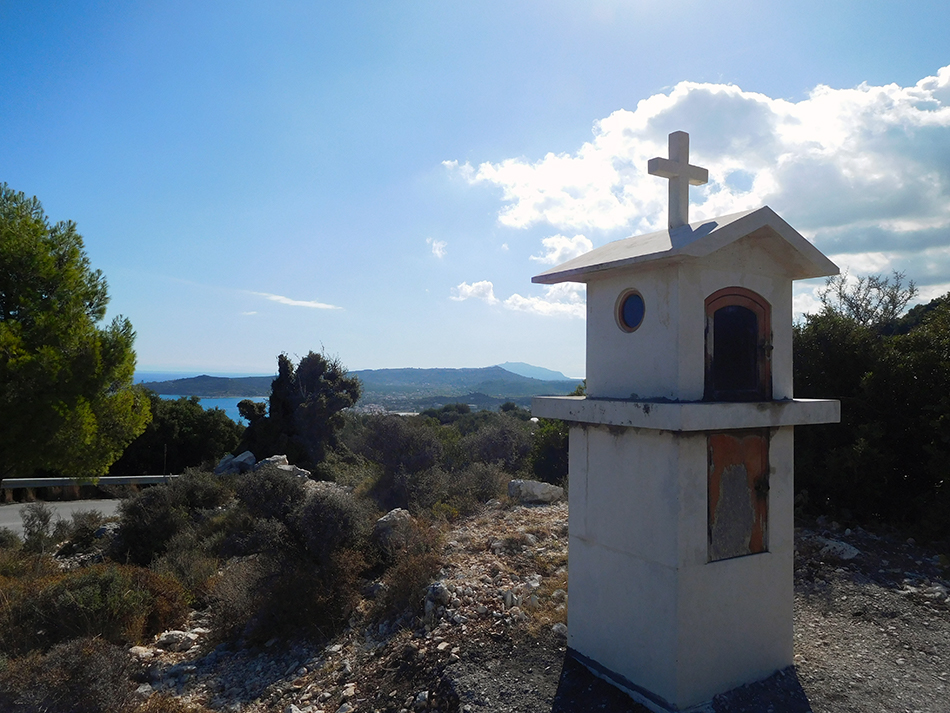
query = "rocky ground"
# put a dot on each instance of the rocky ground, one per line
(872, 633)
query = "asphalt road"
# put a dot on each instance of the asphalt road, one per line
(10, 514)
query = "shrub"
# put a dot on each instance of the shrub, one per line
(887, 458)
(271, 493)
(85, 675)
(506, 441)
(303, 601)
(80, 531)
(121, 604)
(549, 453)
(185, 559)
(234, 596)
(181, 434)
(17, 564)
(301, 566)
(9, 540)
(438, 493)
(37, 527)
(350, 470)
(414, 569)
(332, 519)
(400, 445)
(148, 521)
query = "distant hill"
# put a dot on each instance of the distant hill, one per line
(213, 386)
(414, 389)
(533, 372)
(397, 389)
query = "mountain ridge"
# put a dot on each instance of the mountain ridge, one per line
(394, 389)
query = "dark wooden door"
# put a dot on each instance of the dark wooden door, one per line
(738, 346)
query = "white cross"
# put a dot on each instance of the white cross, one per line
(681, 176)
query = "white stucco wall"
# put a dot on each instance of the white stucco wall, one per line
(644, 601)
(664, 358)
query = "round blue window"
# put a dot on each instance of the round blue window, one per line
(631, 311)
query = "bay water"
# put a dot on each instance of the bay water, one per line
(228, 405)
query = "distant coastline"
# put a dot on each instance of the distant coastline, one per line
(406, 390)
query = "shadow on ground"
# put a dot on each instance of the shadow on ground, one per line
(580, 690)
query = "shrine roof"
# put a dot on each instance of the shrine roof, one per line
(696, 240)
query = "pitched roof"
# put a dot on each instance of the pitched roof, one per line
(697, 240)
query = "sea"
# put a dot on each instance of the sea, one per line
(228, 405)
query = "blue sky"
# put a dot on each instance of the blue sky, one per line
(382, 179)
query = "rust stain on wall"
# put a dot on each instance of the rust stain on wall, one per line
(738, 493)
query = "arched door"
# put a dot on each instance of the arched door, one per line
(738, 346)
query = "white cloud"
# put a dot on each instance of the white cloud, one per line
(248, 314)
(565, 299)
(483, 290)
(561, 249)
(864, 172)
(561, 300)
(294, 303)
(438, 247)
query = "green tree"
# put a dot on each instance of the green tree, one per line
(888, 456)
(66, 394)
(181, 435)
(304, 414)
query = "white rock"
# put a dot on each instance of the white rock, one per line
(391, 531)
(560, 630)
(273, 460)
(295, 471)
(142, 652)
(838, 550)
(175, 640)
(534, 491)
(236, 464)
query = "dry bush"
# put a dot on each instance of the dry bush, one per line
(330, 520)
(165, 703)
(148, 521)
(414, 569)
(350, 470)
(9, 540)
(121, 604)
(85, 675)
(271, 493)
(449, 495)
(38, 524)
(79, 531)
(304, 601)
(186, 560)
(234, 596)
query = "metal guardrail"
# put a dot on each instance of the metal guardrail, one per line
(14, 483)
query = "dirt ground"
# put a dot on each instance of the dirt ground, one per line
(872, 634)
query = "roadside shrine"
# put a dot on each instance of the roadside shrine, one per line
(681, 504)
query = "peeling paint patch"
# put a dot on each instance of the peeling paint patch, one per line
(738, 493)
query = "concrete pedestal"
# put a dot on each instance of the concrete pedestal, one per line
(650, 609)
